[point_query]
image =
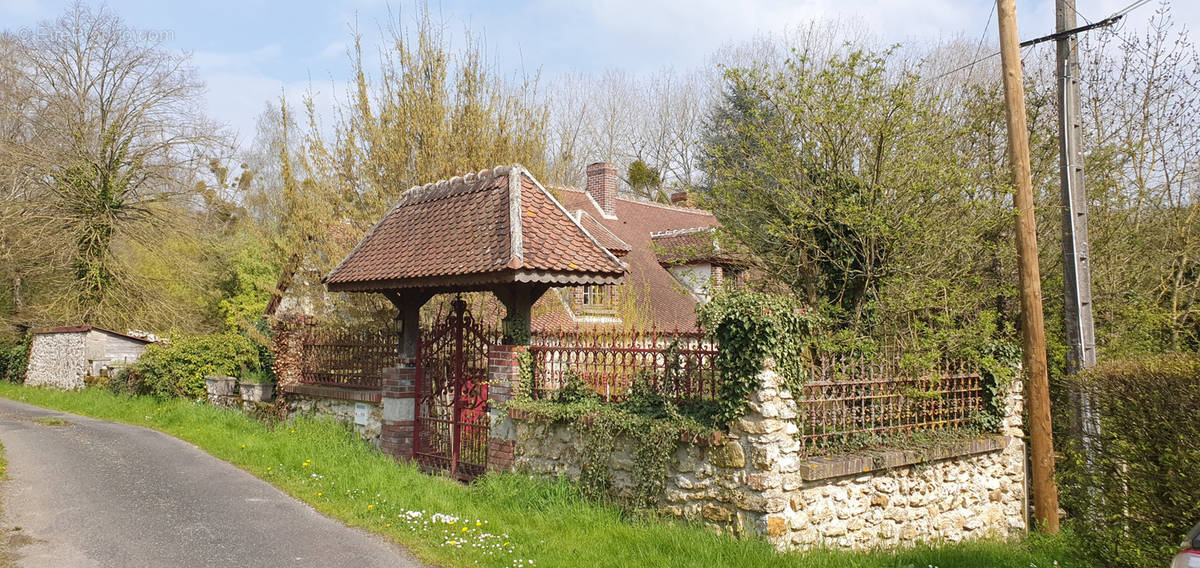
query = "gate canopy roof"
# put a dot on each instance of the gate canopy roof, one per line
(476, 232)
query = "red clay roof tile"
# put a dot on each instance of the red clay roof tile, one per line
(464, 227)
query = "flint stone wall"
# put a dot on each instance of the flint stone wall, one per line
(758, 482)
(341, 410)
(57, 360)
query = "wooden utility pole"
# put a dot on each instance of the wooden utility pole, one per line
(1033, 335)
(1077, 271)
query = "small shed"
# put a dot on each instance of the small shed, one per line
(61, 357)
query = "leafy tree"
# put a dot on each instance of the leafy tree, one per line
(824, 171)
(106, 164)
(645, 180)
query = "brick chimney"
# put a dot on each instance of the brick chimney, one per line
(602, 186)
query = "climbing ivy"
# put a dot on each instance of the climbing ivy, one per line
(752, 327)
(525, 370)
(654, 442)
(998, 368)
(515, 329)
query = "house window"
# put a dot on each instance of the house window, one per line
(595, 300)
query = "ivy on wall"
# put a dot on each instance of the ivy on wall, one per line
(648, 420)
(752, 327)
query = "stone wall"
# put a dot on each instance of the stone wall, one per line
(341, 404)
(756, 480)
(57, 360)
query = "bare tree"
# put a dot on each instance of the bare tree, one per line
(118, 139)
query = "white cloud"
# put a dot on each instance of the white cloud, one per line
(228, 61)
(236, 99)
(332, 51)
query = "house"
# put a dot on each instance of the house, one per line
(670, 252)
(673, 259)
(63, 356)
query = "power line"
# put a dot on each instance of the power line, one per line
(1114, 18)
(983, 35)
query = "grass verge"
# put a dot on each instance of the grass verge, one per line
(501, 520)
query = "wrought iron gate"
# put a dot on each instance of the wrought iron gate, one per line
(451, 427)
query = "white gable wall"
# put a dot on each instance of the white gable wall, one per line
(57, 360)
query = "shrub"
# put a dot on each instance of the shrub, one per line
(1132, 488)
(127, 381)
(14, 358)
(179, 369)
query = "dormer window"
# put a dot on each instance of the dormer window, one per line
(595, 300)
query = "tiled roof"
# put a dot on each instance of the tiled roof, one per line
(670, 305)
(605, 237)
(682, 246)
(499, 225)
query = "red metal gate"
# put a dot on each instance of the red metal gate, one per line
(450, 432)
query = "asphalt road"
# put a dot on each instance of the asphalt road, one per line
(98, 494)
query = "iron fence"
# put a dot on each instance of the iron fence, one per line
(347, 358)
(847, 402)
(681, 364)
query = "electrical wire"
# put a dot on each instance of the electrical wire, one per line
(982, 35)
(1029, 43)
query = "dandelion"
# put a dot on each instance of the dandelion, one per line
(370, 507)
(319, 494)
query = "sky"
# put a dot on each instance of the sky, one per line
(251, 51)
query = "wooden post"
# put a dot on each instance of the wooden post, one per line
(1033, 338)
(518, 299)
(408, 303)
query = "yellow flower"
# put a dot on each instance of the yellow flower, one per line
(318, 494)
(369, 507)
(477, 523)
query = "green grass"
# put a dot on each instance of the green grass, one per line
(329, 467)
(50, 421)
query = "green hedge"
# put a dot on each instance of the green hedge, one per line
(14, 358)
(1132, 490)
(178, 369)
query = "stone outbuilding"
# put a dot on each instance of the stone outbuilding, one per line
(63, 356)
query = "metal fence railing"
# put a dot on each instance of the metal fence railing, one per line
(346, 358)
(681, 364)
(850, 401)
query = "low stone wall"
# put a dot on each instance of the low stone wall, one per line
(757, 481)
(341, 406)
(965, 496)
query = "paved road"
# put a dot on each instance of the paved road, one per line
(100, 494)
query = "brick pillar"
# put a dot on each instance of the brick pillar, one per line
(399, 411)
(504, 380)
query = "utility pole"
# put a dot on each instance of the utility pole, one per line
(1033, 333)
(1077, 272)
